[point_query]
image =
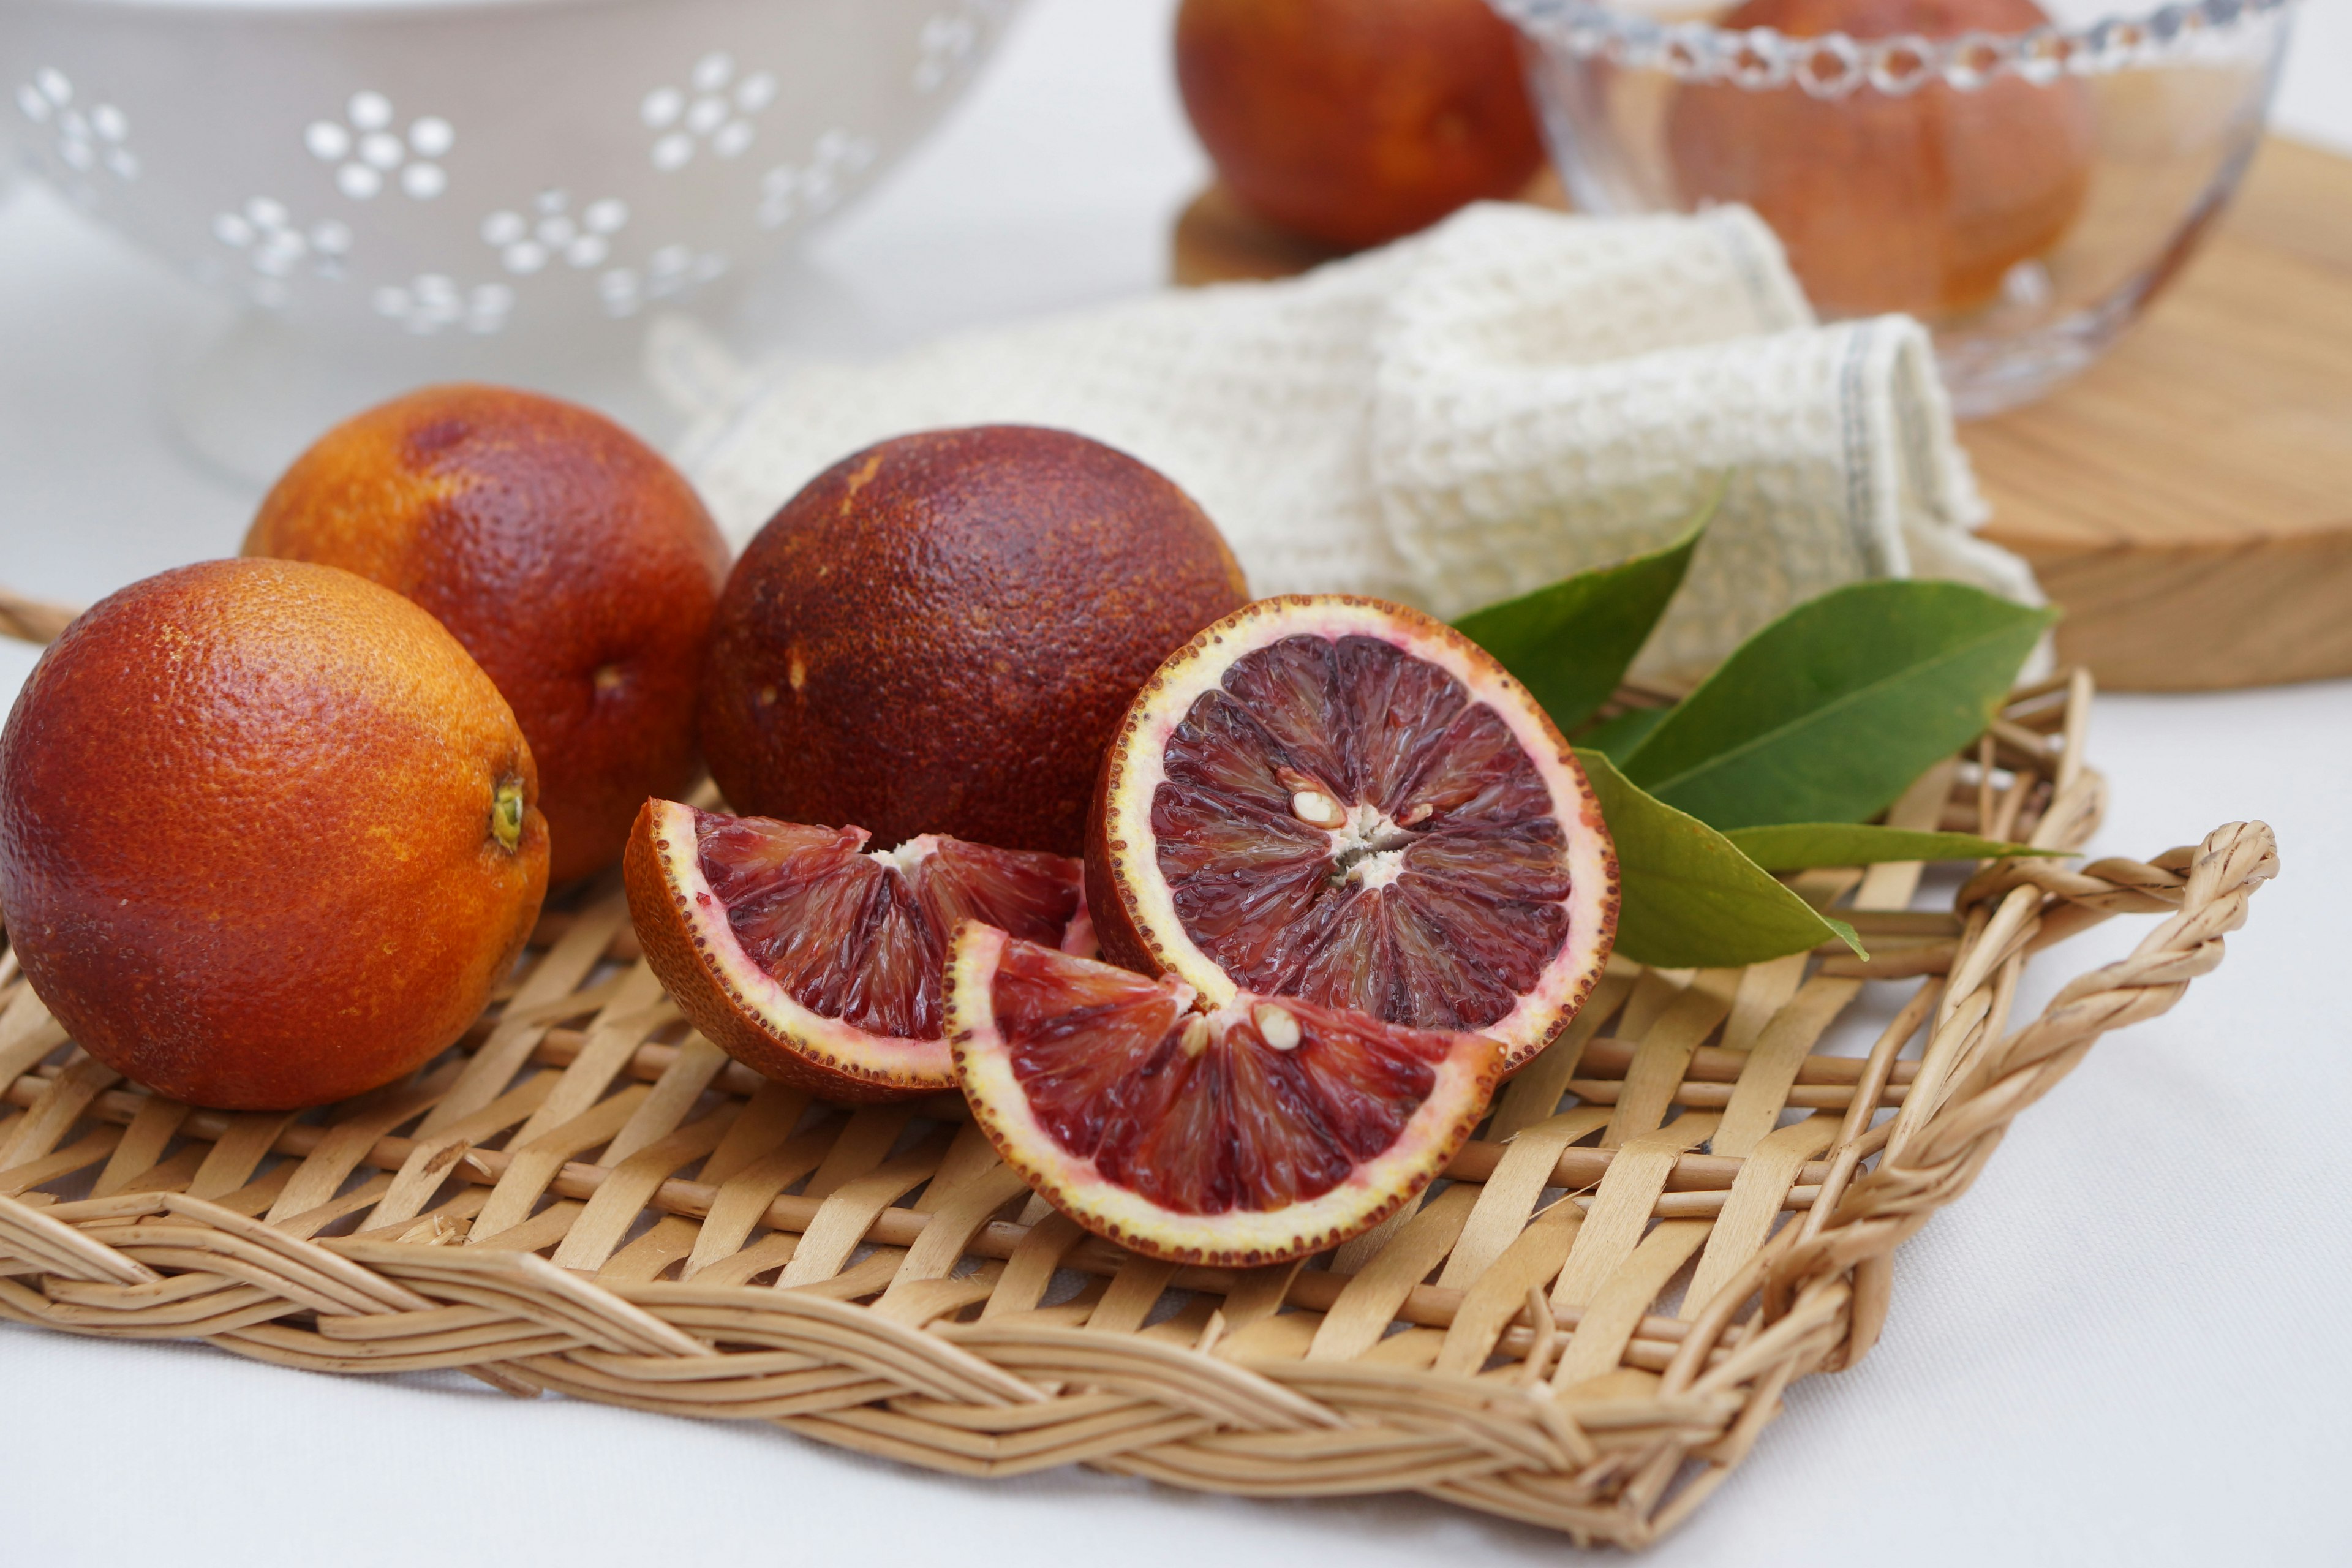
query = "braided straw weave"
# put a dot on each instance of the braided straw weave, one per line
(1584, 1328)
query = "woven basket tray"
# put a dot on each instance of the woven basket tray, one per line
(1585, 1327)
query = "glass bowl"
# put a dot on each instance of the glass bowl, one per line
(2023, 193)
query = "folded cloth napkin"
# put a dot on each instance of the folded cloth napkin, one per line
(1464, 415)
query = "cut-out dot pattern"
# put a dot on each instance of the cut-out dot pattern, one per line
(370, 153)
(369, 149)
(672, 271)
(529, 244)
(275, 247)
(787, 192)
(434, 302)
(948, 45)
(86, 138)
(715, 110)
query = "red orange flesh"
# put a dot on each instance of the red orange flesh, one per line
(1261, 1131)
(817, 961)
(1345, 801)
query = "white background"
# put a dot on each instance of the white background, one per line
(2125, 1346)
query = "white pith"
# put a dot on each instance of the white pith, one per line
(1137, 764)
(1371, 845)
(983, 1066)
(908, 856)
(841, 1046)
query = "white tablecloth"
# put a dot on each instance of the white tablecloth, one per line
(2123, 1347)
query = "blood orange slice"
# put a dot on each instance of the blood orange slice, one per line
(813, 960)
(1261, 1131)
(1343, 800)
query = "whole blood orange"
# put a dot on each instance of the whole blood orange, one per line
(1355, 121)
(268, 835)
(938, 634)
(816, 961)
(1254, 1134)
(1343, 800)
(1919, 202)
(575, 563)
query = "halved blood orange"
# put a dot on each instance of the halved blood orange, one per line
(1343, 800)
(1261, 1131)
(813, 960)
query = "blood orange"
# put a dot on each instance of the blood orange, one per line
(816, 961)
(568, 557)
(1357, 121)
(1343, 800)
(269, 837)
(938, 634)
(1256, 1134)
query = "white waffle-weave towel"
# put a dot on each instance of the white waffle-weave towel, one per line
(1461, 417)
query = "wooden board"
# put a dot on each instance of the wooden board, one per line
(2188, 499)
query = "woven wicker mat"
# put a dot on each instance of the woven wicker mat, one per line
(1585, 1327)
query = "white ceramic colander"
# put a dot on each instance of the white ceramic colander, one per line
(474, 167)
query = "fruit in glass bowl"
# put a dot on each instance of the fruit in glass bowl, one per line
(1918, 201)
(2026, 178)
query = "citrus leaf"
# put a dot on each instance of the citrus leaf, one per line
(1569, 643)
(1687, 898)
(1620, 735)
(1793, 847)
(1830, 712)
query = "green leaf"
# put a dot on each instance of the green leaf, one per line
(1620, 735)
(1793, 847)
(1688, 900)
(1569, 643)
(1830, 712)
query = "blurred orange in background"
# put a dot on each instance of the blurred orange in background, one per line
(1355, 121)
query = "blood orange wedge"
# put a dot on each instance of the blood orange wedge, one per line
(1261, 1131)
(1343, 800)
(813, 960)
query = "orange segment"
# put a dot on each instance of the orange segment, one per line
(814, 960)
(1254, 1133)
